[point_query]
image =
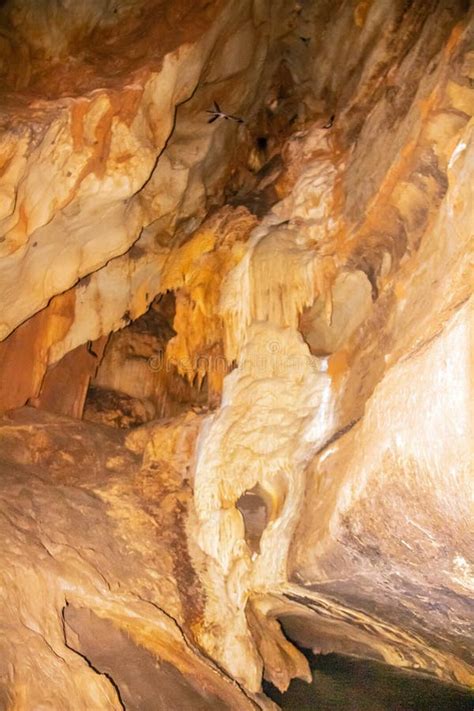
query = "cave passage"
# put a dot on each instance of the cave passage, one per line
(342, 683)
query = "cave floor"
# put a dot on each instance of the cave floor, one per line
(343, 683)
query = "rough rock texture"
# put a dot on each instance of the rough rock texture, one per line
(109, 141)
(134, 367)
(98, 595)
(308, 338)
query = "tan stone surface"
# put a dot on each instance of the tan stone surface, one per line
(81, 177)
(94, 560)
(326, 268)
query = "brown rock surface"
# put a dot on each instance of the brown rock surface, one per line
(279, 309)
(94, 611)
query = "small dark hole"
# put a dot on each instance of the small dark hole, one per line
(255, 514)
(262, 143)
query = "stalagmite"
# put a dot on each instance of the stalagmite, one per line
(276, 411)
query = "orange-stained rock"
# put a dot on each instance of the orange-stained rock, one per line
(104, 131)
(286, 295)
(65, 385)
(24, 355)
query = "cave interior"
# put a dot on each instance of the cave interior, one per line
(235, 355)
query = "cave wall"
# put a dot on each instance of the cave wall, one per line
(99, 144)
(317, 258)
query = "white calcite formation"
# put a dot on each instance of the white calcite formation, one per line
(281, 310)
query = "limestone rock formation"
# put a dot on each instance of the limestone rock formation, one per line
(234, 357)
(98, 594)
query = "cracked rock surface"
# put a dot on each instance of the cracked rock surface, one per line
(96, 591)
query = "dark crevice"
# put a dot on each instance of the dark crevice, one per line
(254, 510)
(337, 435)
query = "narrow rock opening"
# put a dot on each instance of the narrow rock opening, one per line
(262, 143)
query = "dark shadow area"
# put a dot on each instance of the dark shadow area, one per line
(348, 684)
(254, 510)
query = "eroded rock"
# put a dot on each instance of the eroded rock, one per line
(303, 280)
